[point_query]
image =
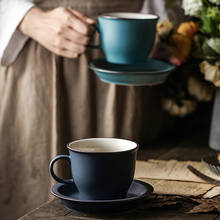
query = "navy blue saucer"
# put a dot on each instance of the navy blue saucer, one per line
(70, 198)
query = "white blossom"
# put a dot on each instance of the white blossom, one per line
(199, 89)
(192, 7)
(164, 28)
(211, 72)
(187, 106)
(217, 2)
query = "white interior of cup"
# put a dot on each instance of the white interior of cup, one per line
(101, 145)
(129, 15)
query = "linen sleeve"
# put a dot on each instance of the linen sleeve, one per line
(11, 39)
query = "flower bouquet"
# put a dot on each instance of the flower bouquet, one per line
(196, 43)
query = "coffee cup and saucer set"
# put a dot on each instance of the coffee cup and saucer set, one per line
(127, 39)
(102, 176)
(103, 168)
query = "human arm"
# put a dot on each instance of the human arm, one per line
(21, 19)
(63, 31)
(11, 39)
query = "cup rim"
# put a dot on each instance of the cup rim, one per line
(139, 16)
(135, 148)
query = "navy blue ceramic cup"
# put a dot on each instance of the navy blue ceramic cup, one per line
(126, 38)
(102, 168)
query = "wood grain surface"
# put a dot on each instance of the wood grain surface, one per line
(191, 147)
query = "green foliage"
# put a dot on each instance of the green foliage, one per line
(210, 21)
(214, 43)
(211, 50)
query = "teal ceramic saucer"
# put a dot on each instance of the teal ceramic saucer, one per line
(152, 72)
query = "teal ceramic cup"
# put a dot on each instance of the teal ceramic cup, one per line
(126, 38)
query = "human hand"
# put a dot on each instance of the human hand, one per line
(63, 31)
(162, 51)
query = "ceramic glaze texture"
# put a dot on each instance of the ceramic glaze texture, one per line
(103, 175)
(150, 72)
(127, 39)
(70, 197)
(103, 168)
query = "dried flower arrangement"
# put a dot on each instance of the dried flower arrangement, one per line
(196, 44)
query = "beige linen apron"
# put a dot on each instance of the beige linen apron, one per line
(47, 101)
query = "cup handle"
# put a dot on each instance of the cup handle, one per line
(96, 26)
(65, 157)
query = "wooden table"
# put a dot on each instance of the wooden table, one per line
(190, 147)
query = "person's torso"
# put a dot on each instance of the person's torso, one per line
(93, 7)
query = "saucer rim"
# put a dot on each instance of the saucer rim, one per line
(149, 191)
(112, 72)
(103, 152)
(135, 84)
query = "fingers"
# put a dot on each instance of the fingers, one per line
(79, 24)
(174, 60)
(61, 51)
(82, 16)
(63, 31)
(66, 44)
(72, 35)
(163, 52)
(67, 53)
(72, 38)
(77, 38)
